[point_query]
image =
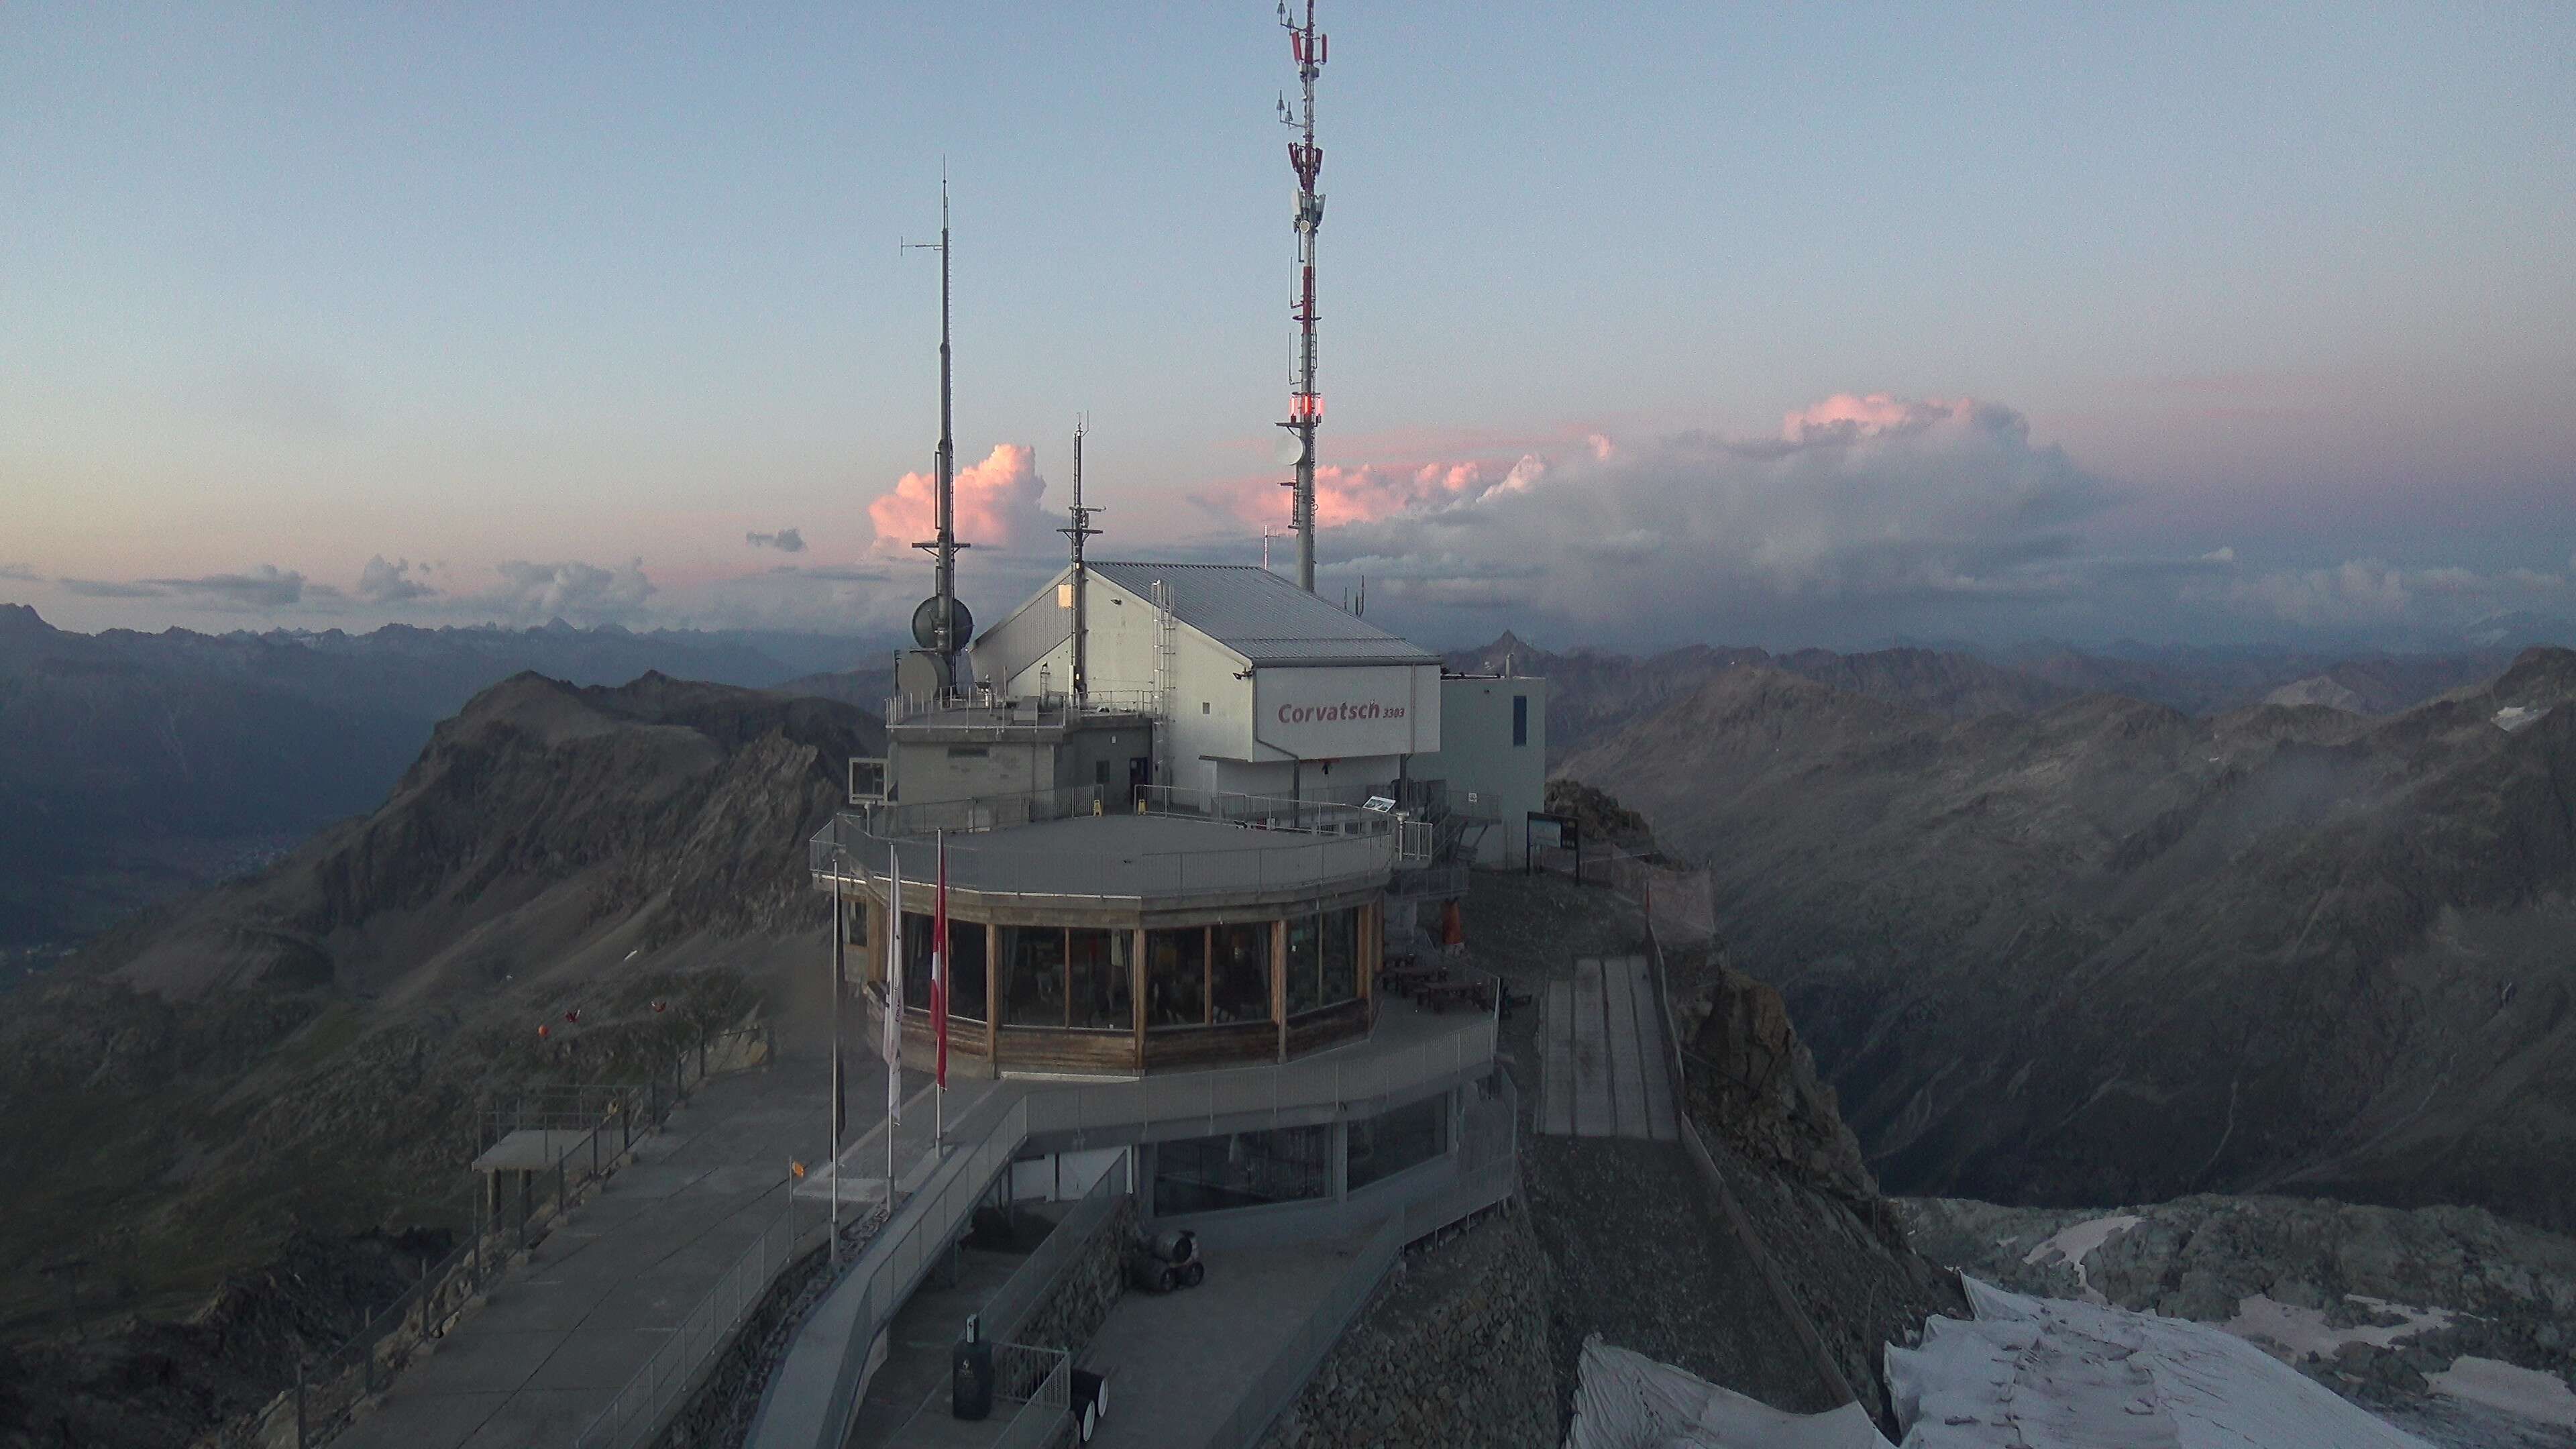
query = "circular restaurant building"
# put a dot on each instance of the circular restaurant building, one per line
(1115, 934)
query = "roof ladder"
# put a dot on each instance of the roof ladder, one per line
(1167, 631)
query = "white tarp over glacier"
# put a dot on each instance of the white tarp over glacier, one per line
(2048, 1373)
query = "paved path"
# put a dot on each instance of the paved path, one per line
(1602, 1059)
(561, 1334)
(1176, 1361)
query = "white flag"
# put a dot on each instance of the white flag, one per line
(894, 989)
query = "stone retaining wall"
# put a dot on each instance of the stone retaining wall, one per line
(1082, 1295)
(1451, 1350)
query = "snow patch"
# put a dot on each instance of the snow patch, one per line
(2076, 1242)
(2516, 716)
(2529, 1393)
(2302, 1331)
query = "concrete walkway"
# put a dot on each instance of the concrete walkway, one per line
(1177, 1361)
(1604, 1070)
(561, 1334)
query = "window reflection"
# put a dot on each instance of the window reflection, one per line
(1099, 964)
(1241, 988)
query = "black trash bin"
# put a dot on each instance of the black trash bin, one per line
(970, 1380)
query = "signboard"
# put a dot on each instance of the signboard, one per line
(1557, 832)
(1340, 713)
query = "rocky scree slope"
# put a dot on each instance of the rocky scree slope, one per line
(2112, 953)
(299, 1057)
(2318, 1282)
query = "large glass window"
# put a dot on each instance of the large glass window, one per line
(1240, 990)
(1099, 965)
(968, 945)
(916, 960)
(966, 951)
(1176, 977)
(1244, 1169)
(1304, 966)
(1033, 976)
(1341, 932)
(1393, 1141)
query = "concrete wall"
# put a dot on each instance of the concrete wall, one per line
(1478, 758)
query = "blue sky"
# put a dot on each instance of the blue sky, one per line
(2265, 313)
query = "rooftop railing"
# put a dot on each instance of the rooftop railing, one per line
(1050, 710)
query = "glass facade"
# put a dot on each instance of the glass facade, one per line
(1390, 1142)
(1176, 967)
(966, 951)
(1243, 1169)
(1099, 970)
(1033, 986)
(1323, 962)
(1239, 984)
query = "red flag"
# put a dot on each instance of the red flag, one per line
(939, 970)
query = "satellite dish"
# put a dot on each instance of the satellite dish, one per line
(1291, 449)
(925, 625)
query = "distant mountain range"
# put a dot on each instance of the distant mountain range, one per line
(1592, 693)
(134, 765)
(2112, 952)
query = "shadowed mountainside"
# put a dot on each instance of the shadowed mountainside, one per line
(2112, 953)
(290, 1064)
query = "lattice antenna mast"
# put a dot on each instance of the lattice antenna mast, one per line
(1305, 405)
(1079, 529)
(943, 620)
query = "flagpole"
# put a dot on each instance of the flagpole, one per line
(894, 1014)
(836, 1062)
(938, 996)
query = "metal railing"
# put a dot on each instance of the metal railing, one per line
(1192, 1103)
(1007, 1312)
(1048, 710)
(813, 1395)
(983, 812)
(666, 1377)
(609, 1118)
(853, 848)
(1312, 814)
(1045, 1413)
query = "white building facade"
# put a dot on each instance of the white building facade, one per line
(1261, 688)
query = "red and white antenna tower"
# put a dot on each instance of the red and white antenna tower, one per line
(1305, 405)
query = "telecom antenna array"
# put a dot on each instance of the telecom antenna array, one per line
(1305, 405)
(941, 626)
(1078, 530)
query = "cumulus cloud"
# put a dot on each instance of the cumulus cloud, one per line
(997, 504)
(1860, 502)
(391, 583)
(264, 587)
(785, 540)
(571, 590)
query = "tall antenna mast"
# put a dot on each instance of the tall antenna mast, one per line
(1305, 404)
(941, 624)
(1079, 530)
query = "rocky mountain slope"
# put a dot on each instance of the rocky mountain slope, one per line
(291, 1064)
(2109, 952)
(134, 765)
(2379, 1303)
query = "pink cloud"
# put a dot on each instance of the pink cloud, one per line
(1868, 416)
(1368, 492)
(997, 504)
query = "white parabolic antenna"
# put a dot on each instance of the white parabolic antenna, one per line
(1290, 451)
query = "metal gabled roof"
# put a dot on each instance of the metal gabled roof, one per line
(1262, 616)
